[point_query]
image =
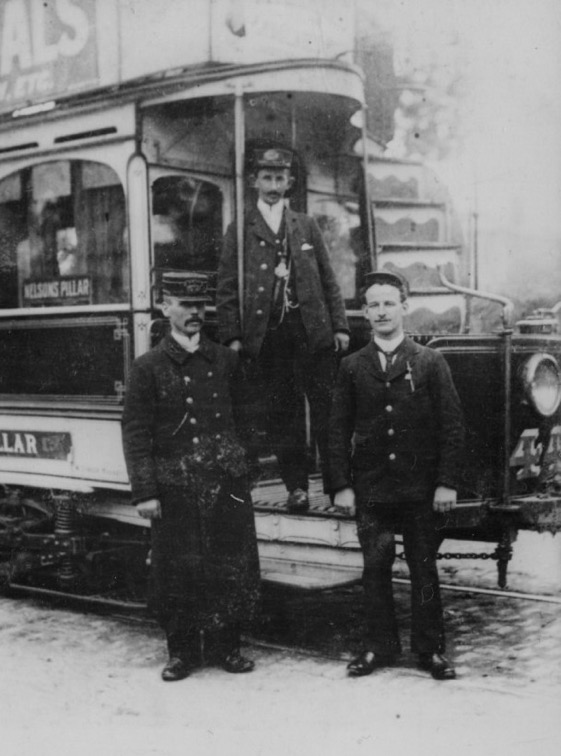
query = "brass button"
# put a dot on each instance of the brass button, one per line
(263, 266)
(260, 289)
(388, 385)
(193, 420)
(215, 395)
(195, 440)
(209, 373)
(218, 414)
(391, 432)
(261, 243)
(392, 457)
(259, 312)
(389, 408)
(189, 400)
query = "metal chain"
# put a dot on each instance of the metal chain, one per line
(457, 555)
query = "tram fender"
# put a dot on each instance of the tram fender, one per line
(539, 513)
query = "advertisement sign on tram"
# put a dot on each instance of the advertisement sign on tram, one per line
(50, 49)
(46, 49)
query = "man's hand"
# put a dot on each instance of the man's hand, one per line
(150, 509)
(342, 340)
(344, 501)
(236, 345)
(444, 499)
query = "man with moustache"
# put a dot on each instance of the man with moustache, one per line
(188, 474)
(294, 318)
(396, 440)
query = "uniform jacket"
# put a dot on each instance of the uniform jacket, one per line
(401, 431)
(321, 305)
(176, 404)
(180, 447)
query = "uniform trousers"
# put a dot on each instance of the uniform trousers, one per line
(418, 524)
(290, 372)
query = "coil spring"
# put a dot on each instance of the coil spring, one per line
(64, 526)
(64, 515)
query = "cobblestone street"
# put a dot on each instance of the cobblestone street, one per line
(76, 682)
(510, 641)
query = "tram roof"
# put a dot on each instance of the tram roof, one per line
(79, 50)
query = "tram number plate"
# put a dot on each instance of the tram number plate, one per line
(529, 452)
(37, 444)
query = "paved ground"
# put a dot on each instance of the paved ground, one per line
(511, 641)
(76, 683)
(80, 684)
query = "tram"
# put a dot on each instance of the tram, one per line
(120, 159)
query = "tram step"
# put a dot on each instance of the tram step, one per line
(308, 576)
(420, 264)
(394, 179)
(308, 582)
(414, 222)
(389, 179)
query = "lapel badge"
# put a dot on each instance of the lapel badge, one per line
(409, 376)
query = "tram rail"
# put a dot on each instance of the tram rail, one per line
(138, 607)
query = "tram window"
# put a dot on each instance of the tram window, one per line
(187, 225)
(62, 236)
(339, 222)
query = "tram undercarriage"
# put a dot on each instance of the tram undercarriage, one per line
(96, 549)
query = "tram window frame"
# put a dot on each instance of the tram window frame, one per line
(356, 251)
(224, 186)
(67, 238)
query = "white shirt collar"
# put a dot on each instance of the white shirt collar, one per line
(189, 343)
(387, 345)
(271, 213)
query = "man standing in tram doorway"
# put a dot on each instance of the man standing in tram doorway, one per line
(396, 444)
(293, 317)
(188, 473)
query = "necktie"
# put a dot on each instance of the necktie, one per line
(387, 355)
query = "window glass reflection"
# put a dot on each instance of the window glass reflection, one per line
(339, 222)
(63, 236)
(186, 225)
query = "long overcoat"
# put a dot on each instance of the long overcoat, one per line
(396, 436)
(181, 448)
(321, 305)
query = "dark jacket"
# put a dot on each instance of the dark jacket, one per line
(321, 305)
(402, 431)
(176, 404)
(180, 447)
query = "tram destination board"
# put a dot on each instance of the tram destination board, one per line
(37, 444)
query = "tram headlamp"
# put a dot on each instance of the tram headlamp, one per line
(542, 383)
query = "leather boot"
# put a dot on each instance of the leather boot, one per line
(176, 669)
(439, 667)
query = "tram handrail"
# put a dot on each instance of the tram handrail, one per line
(507, 304)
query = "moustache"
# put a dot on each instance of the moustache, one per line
(194, 319)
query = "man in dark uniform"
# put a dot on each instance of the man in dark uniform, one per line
(294, 317)
(189, 476)
(396, 440)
